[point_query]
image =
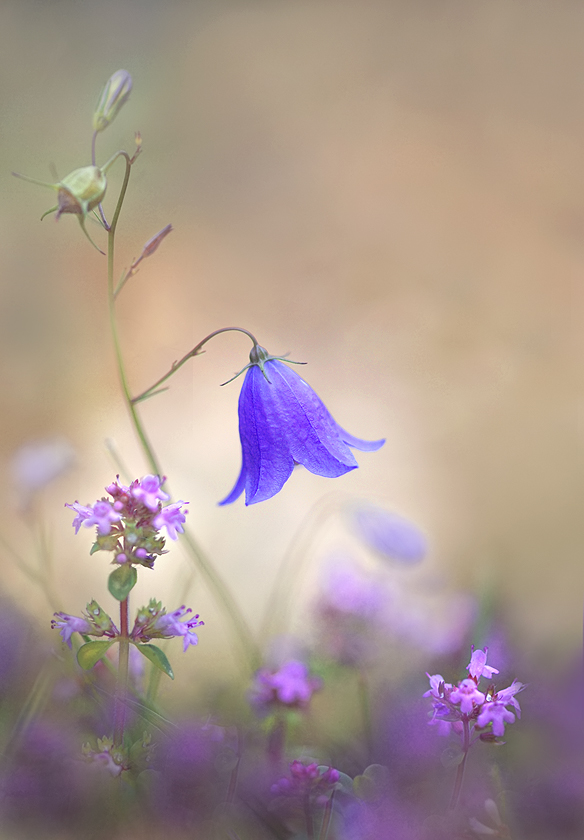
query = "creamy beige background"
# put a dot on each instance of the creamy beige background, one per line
(394, 192)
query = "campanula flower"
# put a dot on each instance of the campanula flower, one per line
(282, 422)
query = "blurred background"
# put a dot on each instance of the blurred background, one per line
(390, 190)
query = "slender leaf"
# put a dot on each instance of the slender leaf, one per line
(157, 657)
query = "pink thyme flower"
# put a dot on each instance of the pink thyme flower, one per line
(153, 622)
(69, 624)
(148, 491)
(477, 666)
(290, 685)
(83, 514)
(172, 517)
(308, 780)
(101, 514)
(496, 713)
(507, 695)
(468, 695)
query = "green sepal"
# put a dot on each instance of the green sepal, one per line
(121, 581)
(158, 658)
(95, 547)
(89, 654)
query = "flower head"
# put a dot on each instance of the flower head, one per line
(282, 422)
(153, 622)
(308, 781)
(290, 685)
(465, 704)
(129, 523)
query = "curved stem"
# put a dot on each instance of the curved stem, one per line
(218, 587)
(149, 392)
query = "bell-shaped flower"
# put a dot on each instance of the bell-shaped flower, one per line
(282, 422)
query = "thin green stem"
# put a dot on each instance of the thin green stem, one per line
(122, 681)
(363, 687)
(460, 770)
(149, 392)
(219, 588)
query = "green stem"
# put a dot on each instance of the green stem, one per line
(219, 588)
(122, 681)
(363, 686)
(153, 389)
(460, 770)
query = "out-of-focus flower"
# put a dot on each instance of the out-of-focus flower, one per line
(389, 534)
(114, 95)
(308, 781)
(349, 612)
(153, 622)
(282, 422)
(291, 685)
(500, 830)
(37, 463)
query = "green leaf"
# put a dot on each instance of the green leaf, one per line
(122, 581)
(95, 547)
(92, 652)
(157, 657)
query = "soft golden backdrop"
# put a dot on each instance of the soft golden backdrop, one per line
(392, 191)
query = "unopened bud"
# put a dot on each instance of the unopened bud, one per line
(153, 243)
(81, 190)
(115, 93)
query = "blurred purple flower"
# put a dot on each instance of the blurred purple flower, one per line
(291, 685)
(37, 463)
(282, 422)
(308, 781)
(389, 534)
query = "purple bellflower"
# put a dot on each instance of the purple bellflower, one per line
(282, 422)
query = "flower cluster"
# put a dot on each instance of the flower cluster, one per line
(152, 622)
(291, 685)
(465, 704)
(129, 523)
(308, 781)
(95, 622)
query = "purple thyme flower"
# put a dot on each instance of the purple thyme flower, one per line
(477, 666)
(95, 622)
(153, 622)
(101, 514)
(148, 491)
(69, 624)
(291, 685)
(495, 712)
(171, 517)
(308, 781)
(464, 706)
(282, 422)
